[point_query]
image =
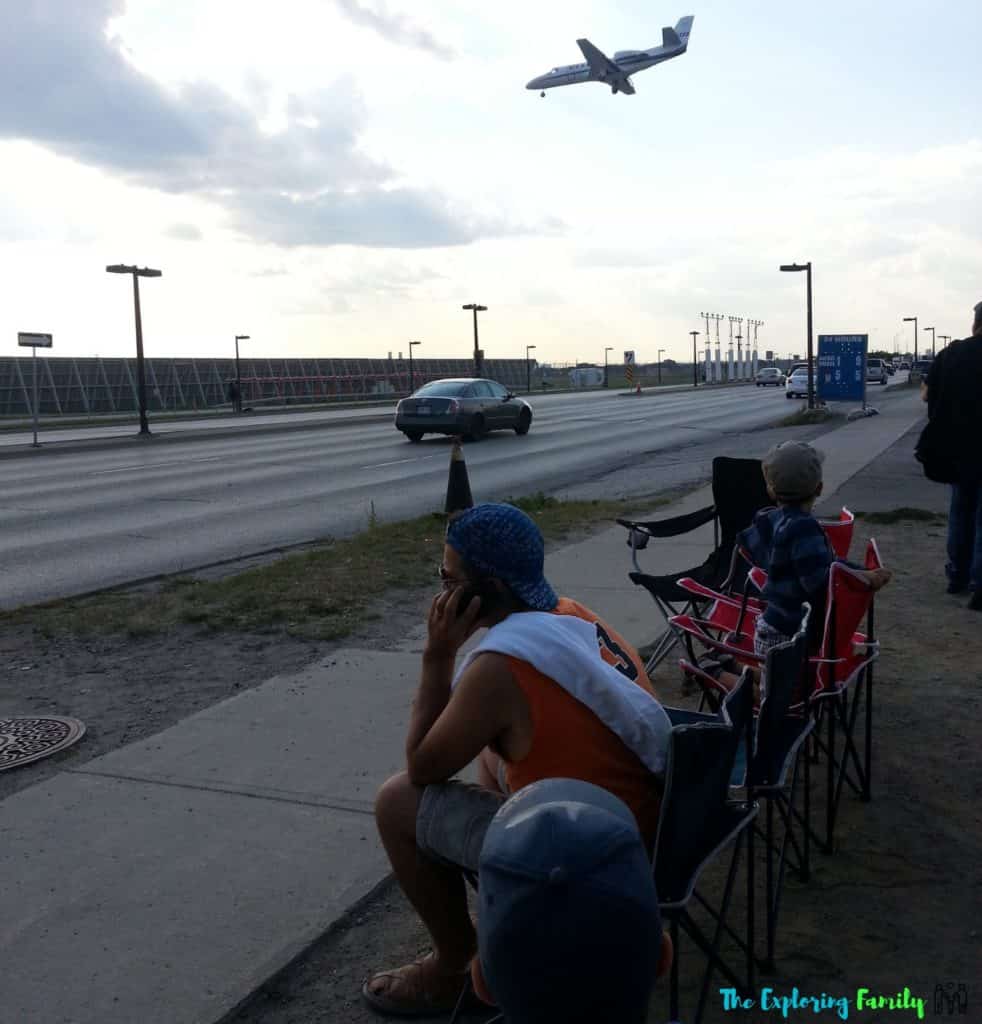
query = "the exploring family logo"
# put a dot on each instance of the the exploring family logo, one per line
(795, 1002)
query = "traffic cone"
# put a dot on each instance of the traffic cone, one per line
(458, 486)
(637, 390)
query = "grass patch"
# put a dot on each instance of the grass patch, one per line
(805, 417)
(902, 515)
(321, 593)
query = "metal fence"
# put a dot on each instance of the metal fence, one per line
(90, 386)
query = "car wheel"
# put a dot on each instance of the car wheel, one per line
(479, 429)
(789, 396)
(524, 422)
(414, 435)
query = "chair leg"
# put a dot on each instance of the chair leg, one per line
(769, 962)
(714, 959)
(830, 780)
(868, 751)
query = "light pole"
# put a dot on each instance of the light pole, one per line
(609, 348)
(478, 361)
(412, 381)
(238, 376)
(931, 329)
(695, 362)
(141, 381)
(793, 268)
(659, 365)
(945, 338)
(528, 369)
(913, 320)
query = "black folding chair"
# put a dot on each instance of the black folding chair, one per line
(739, 492)
(698, 820)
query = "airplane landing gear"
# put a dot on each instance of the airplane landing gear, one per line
(543, 94)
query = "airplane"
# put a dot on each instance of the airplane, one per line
(616, 72)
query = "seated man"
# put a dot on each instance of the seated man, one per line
(550, 692)
(568, 923)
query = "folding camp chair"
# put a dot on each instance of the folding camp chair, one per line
(845, 661)
(839, 532)
(739, 492)
(774, 768)
(698, 820)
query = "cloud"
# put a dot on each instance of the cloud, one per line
(184, 232)
(396, 28)
(66, 85)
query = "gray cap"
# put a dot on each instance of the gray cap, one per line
(793, 471)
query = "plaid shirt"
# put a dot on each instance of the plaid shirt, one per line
(791, 545)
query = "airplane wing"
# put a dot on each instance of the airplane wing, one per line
(604, 69)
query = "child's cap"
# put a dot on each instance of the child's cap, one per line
(793, 470)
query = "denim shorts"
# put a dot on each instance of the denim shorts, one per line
(452, 820)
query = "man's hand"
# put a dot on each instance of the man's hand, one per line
(446, 630)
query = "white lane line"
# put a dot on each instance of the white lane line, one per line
(154, 465)
(399, 462)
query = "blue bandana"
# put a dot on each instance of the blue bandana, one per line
(502, 541)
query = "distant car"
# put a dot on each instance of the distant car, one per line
(876, 372)
(468, 406)
(922, 366)
(770, 375)
(890, 368)
(904, 364)
(796, 385)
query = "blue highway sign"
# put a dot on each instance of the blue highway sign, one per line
(842, 367)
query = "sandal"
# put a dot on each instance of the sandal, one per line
(410, 991)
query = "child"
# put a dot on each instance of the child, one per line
(789, 542)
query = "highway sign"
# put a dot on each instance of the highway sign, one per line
(629, 358)
(26, 340)
(842, 367)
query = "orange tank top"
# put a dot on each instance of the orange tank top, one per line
(570, 741)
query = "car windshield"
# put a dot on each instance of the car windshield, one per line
(440, 388)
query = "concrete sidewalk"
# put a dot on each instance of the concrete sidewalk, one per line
(164, 882)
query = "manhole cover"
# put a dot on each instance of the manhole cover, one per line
(23, 740)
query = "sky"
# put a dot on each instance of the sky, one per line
(336, 177)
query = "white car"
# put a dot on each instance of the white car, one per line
(797, 385)
(876, 372)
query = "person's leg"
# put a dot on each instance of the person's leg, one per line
(975, 572)
(435, 889)
(961, 530)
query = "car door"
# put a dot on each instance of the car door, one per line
(488, 404)
(505, 411)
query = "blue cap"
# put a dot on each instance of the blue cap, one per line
(502, 541)
(568, 921)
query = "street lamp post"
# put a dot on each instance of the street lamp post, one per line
(141, 381)
(945, 338)
(238, 376)
(931, 329)
(412, 379)
(913, 320)
(659, 365)
(528, 369)
(609, 348)
(807, 267)
(695, 362)
(478, 361)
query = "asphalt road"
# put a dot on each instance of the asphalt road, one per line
(73, 521)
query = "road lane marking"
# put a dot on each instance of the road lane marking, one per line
(399, 462)
(155, 465)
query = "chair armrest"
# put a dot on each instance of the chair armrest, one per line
(674, 526)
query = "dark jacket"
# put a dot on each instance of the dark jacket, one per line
(954, 401)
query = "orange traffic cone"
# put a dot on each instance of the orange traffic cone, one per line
(458, 485)
(637, 390)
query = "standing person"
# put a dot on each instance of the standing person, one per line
(953, 392)
(550, 692)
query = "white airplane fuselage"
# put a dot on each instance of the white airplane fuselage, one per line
(572, 74)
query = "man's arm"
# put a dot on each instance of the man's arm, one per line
(484, 705)
(448, 730)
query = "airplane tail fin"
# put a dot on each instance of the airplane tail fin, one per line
(683, 28)
(670, 38)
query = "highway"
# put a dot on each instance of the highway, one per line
(77, 520)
